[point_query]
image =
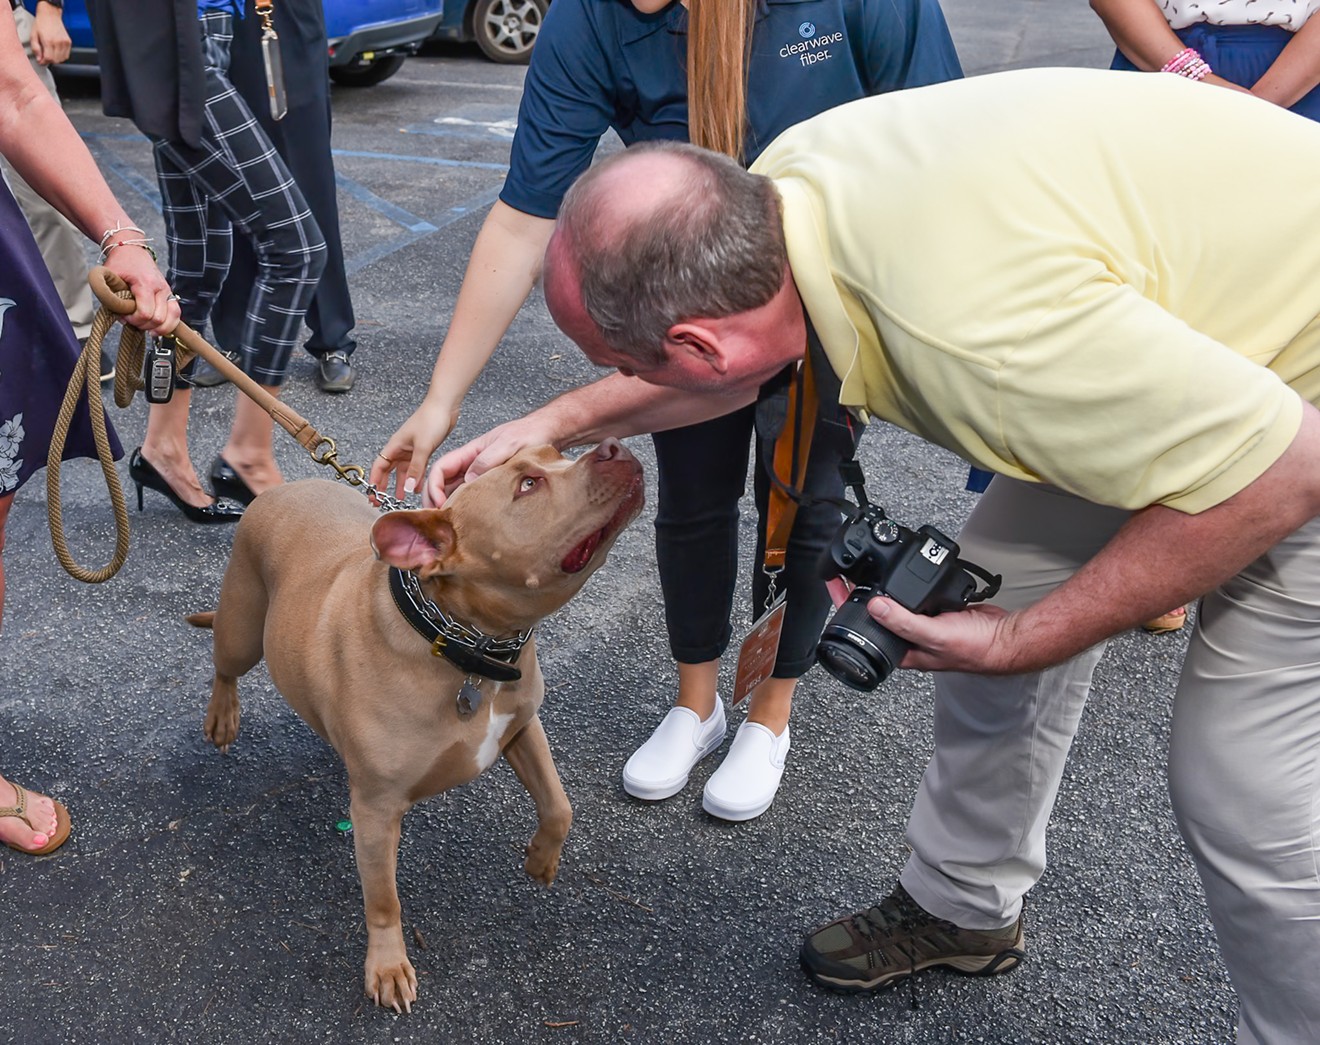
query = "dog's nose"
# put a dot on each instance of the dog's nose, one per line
(610, 449)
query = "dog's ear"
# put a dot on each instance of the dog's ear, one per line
(413, 540)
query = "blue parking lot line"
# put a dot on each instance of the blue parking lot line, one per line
(415, 228)
(433, 161)
(382, 206)
(111, 164)
(453, 214)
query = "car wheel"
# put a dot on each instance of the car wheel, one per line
(359, 73)
(505, 30)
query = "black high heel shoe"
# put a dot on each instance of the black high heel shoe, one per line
(143, 473)
(226, 482)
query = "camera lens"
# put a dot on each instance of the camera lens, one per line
(855, 649)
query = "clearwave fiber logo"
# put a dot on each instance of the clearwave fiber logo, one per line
(814, 46)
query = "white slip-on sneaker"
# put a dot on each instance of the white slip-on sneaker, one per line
(660, 767)
(745, 784)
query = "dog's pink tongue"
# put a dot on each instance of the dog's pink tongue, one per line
(577, 559)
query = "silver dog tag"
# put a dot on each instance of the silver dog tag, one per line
(469, 697)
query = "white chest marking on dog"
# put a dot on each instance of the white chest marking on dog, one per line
(490, 746)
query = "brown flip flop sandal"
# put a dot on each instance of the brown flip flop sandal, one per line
(1167, 622)
(63, 827)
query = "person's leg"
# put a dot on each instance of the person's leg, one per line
(238, 170)
(1244, 776)
(303, 141)
(197, 239)
(702, 470)
(701, 473)
(815, 525)
(40, 809)
(977, 828)
(249, 450)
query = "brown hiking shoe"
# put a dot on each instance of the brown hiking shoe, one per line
(882, 945)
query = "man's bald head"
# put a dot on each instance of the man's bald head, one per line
(659, 234)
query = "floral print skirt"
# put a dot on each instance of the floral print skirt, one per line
(37, 355)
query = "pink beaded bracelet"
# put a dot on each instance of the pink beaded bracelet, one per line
(1188, 63)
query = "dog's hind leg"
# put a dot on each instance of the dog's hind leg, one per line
(239, 625)
(529, 754)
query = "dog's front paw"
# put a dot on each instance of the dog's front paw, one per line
(543, 857)
(221, 725)
(392, 984)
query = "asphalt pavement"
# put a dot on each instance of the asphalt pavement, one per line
(211, 898)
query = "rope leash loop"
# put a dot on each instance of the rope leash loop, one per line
(116, 302)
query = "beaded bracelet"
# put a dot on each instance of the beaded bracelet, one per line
(1187, 63)
(145, 244)
(116, 230)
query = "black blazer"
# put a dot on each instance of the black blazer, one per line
(151, 65)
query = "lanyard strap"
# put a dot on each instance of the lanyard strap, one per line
(792, 448)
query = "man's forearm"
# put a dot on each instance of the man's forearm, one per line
(1159, 559)
(1163, 558)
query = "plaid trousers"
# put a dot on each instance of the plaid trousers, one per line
(236, 179)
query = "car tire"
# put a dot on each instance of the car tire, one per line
(505, 30)
(358, 73)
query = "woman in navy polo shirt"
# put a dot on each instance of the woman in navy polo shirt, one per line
(610, 63)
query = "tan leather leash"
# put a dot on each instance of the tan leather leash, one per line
(116, 301)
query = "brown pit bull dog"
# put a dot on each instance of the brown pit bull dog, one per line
(417, 664)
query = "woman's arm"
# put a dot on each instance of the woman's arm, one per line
(43, 147)
(567, 104)
(1141, 32)
(505, 265)
(1296, 71)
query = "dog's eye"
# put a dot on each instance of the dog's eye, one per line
(529, 483)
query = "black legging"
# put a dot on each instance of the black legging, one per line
(702, 474)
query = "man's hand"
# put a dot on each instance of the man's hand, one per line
(979, 639)
(50, 40)
(408, 449)
(486, 452)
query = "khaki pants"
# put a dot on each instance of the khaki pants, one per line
(62, 246)
(1244, 763)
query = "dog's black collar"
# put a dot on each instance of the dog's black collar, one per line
(465, 647)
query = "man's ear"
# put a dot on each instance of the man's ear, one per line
(414, 540)
(700, 340)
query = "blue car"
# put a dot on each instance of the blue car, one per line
(369, 39)
(505, 30)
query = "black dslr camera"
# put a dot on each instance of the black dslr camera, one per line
(919, 570)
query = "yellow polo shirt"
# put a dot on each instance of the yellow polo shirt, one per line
(1105, 281)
